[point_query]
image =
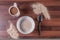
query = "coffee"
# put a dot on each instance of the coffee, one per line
(13, 10)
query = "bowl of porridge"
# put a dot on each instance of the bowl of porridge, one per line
(25, 25)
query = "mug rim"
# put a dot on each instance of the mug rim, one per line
(10, 12)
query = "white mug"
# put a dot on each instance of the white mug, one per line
(17, 14)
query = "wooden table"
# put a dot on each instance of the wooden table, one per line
(50, 29)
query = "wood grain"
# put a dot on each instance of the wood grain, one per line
(47, 2)
(50, 28)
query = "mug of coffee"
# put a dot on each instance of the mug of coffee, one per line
(14, 11)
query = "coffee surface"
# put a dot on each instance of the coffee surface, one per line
(13, 10)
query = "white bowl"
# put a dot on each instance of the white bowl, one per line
(19, 22)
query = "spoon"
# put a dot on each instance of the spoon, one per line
(40, 19)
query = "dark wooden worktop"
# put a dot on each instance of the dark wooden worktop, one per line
(50, 29)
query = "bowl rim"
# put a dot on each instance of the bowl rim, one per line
(19, 21)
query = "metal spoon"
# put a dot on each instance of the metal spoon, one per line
(40, 19)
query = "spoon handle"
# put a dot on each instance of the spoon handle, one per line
(39, 27)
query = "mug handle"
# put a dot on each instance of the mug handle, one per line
(15, 4)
